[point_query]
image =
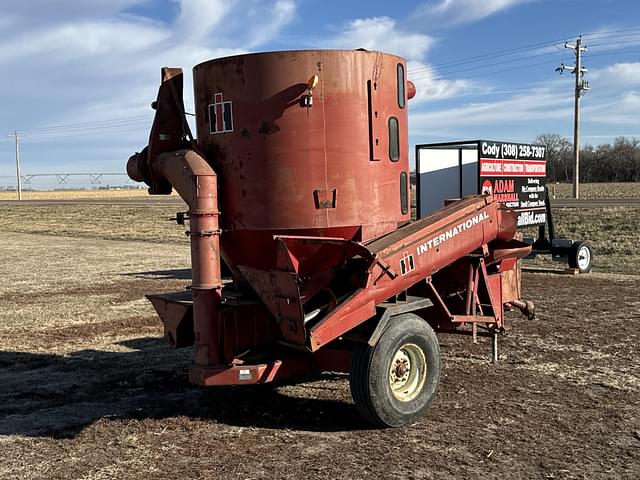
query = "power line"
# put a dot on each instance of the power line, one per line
(44, 137)
(90, 130)
(496, 63)
(608, 32)
(72, 129)
(612, 51)
(610, 54)
(493, 72)
(435, 76)
(82, 124)
(499, 53)
(602, 35)
(87, 130)
(630, 43)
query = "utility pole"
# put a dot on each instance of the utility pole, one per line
(17, 138)
(581, 87)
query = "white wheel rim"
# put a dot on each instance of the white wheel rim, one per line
(407, 372)
(584, 257)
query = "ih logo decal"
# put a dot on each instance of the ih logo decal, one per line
(406, 263)
(220, 116)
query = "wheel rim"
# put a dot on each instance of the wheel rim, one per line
(407, 372)
(584, 257)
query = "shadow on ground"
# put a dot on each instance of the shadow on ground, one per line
(175, 274)
(59, 395)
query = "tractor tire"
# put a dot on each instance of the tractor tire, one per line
(581, 256)
(395, 382)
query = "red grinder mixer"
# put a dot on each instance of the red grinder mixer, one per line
(298, 182)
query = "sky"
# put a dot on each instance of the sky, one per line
(78, 76)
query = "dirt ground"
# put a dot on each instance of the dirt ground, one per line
(89, 391)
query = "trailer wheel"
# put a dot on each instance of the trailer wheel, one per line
(581, 256)
(394, 382)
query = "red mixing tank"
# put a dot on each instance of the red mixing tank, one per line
(304, 142)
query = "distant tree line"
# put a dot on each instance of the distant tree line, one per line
(617, 162)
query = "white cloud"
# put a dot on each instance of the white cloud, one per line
(79, 61)
(429, 87)
(82, 39)
(451, 12)
(627, 74)
(537, 105)
(47, 12)
(267, 20)
(100, 63)
(382, 33)
(385, 34)
(198, 18)
(522, 115)
(621, 109)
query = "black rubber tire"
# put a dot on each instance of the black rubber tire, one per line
(574, 255)
(369, 376)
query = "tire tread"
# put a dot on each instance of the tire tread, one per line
(364, 393)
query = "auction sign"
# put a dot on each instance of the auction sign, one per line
(515, 174)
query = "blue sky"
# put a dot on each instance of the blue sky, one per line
(78, 76)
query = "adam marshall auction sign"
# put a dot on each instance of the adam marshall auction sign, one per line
(515, 174)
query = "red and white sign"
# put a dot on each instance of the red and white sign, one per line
(220, 115)
(512, 168)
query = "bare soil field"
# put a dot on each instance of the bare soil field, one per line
(89, 391)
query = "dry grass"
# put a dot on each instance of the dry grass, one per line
(76, 194)
(562, 190)
(613, 232)
(114, 222)
(82, 194)
(56, 283)
(596, 190)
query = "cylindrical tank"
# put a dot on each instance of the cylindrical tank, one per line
(327, 160)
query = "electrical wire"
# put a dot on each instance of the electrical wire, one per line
(610, 53)
(88, 128)
(73, 127)
(431, 75)
(603, 35)
(499, 53)
(45, 137)
(97, 122)
(607, 33)
(497, 63)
